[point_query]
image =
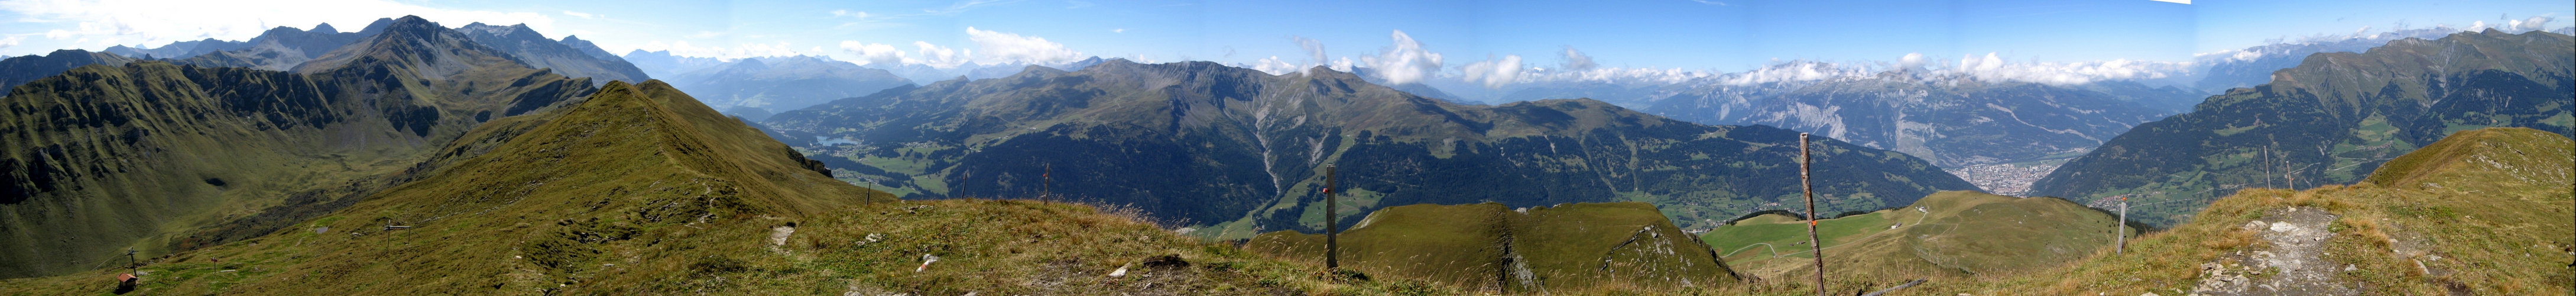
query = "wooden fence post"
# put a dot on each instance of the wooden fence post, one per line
(1804, 162)
(1332, 235)
(1046, 193)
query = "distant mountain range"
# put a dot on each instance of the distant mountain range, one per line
(2253, 66)
(296, 39)
(781, 84)
(162, 157)
(1244, 151)
(1951, 119)
(285, 48)
(19, 70)
(2330, 120)
(759, 86)
(570, 56)
(278, 49)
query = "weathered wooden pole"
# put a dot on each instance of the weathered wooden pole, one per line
(1332, 235)
(2121, 237)
(1046, 193)
(1804, 162)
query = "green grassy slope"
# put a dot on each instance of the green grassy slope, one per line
(2485, 212)
(1571, 248)
(1955, 235)
(160, 157)
(640, 190)
(2331, 120)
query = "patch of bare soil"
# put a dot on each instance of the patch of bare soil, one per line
(2292, 264)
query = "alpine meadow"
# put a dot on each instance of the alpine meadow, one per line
(1113, 147)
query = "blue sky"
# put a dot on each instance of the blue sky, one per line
(1729, 35)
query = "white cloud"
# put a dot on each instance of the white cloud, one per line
(848, 13)
(11, 41)
(877, 54)
(2478, 26)
(151, 23)
(2533, 23)
(1118, 30)
(1314, 53)
(1495, 74)
(1012, 48)
(705, 34)
(1274, 66)
(1405, 62)
(1791, 72)
(887, 56)
(1911, 60)
(579, 14)
(1576, 60)
(1992, 67)
(938, 57)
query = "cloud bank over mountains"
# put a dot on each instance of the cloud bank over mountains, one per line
(2365, 36)
(1409, 60)
(103, 23)
(999, 48)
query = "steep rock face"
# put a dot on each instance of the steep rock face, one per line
(21, 69)
(784, 83)
(163, 157)
(528, 47)
(2329, 120)
(1537, 250)
(1245, 151)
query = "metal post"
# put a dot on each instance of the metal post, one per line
(1332, 244)
(1804, 162)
